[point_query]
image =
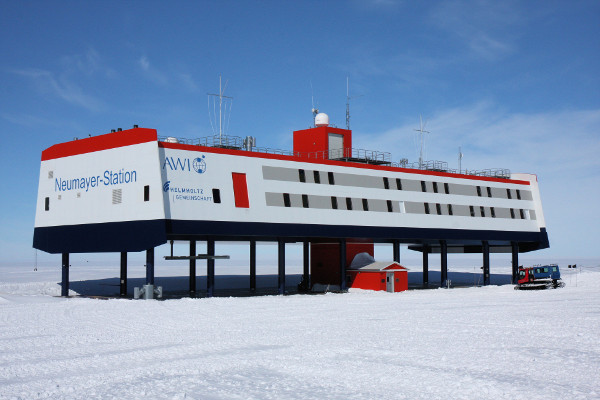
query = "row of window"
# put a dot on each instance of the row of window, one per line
(343, 179)
(335, 203)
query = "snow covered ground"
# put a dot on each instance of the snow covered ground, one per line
(462, 343)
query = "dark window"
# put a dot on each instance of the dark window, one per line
(331, 179)
(518, 194)
(47, 204)
(426, 208)
(389, 206)
(450, 209)
(317, 176)
(301, 175)
(348, 203)
(512, 213)
(386, 183)
(482, 211)
(147, 193)
(365, 204)
(522, 213)
(305, 201)
(438, 209)
(508, 194)
(493, 212)
(398, 184)
(479, 191)
(334, 202)
(435, 190)
(286, 200)
(446, 188)
(216, 196)
(423, 186)
(472, 210)
(489, 191)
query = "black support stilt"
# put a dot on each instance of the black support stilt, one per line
(210, 268)
(306, 265)
(281, 265)
(396, 247)
(64, 292)
(486, 262)
(343, 265)
(253, 265)
(123, 282)
(425, 265)
(150, 266)
(515, 262)
(192, 268)
(444, 262)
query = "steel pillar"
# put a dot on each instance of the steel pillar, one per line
(486, 262)
(343, 265)
(192, 268)
(515, 262)
(444, 262)
(396, 247)
(425, 265)
(253, 265)
(281, 265)
(64, 291)
(210, 268)
(123, 282)
(150, 266)
(306, 264)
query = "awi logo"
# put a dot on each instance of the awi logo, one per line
(199, 165)
(166, 186)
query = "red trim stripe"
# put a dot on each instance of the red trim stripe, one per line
(217, 150)
(240, 190)
(101, 142)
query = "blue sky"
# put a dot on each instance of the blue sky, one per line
(515, 83)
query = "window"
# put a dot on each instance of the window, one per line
(365, 203)
(438, 209)
(489, 191)
(389, 206)
(472, 210)
(482, 211)
(147, 193)
(512, 213)
(518, 194)
(301, 175)
(386, 183)
(479, 191)
(334, 204)
(305, 201)
(493, 212)
(435, 188)
(446, 188)
(240, 190)
(450, 212)
(398, 184)
(216, 196)
(348, 203)
(286, 200)
(522, 214)
(317, 176)
(331, 179)
(508, 194)
(47, 204)
(426, 208)
(423, 186)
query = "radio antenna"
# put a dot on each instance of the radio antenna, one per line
(348, 102)
(221, 96)
(314, 110)
(421, 131)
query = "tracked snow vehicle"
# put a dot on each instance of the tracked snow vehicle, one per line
(539, 277)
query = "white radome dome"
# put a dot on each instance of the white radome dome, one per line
(322, 119)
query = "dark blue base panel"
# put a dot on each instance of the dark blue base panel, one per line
(130, 236)
(133, 236)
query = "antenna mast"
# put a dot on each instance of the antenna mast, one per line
(421, 131)
(221, 96)
(348, 102)
(314, 110)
